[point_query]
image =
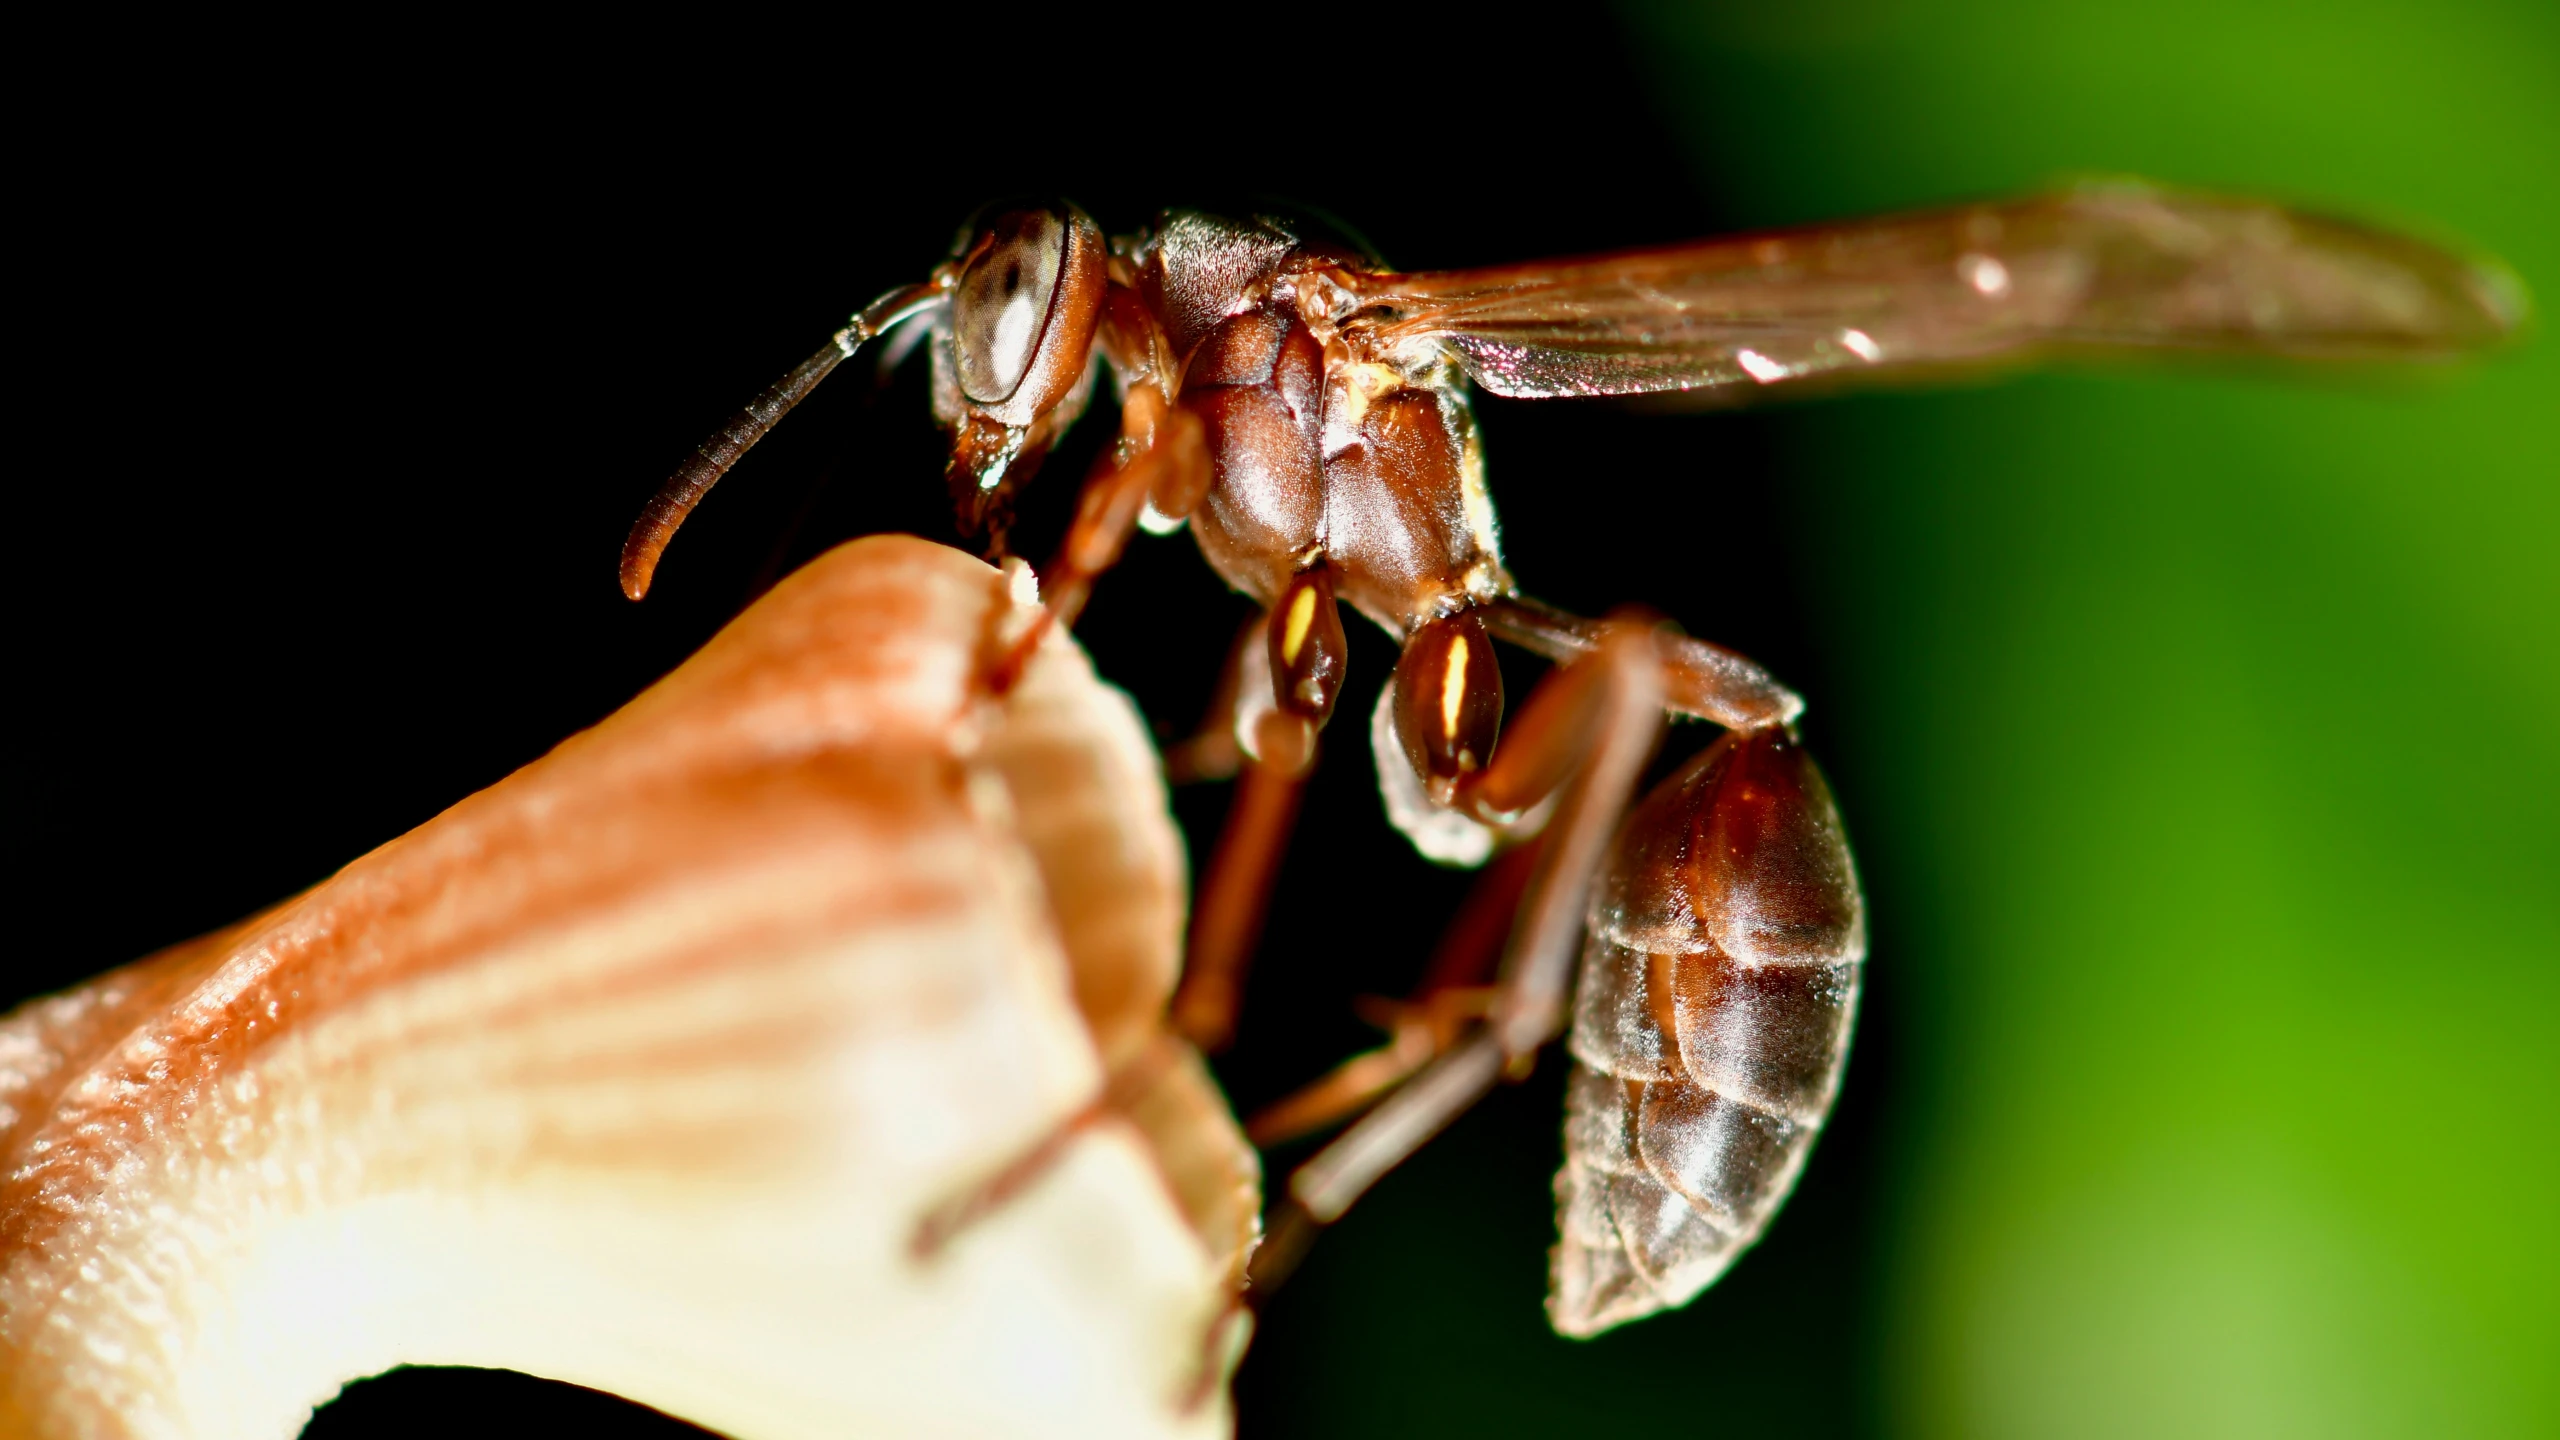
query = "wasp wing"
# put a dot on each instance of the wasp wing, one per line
(2115, 267)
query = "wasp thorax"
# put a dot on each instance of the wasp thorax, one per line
(1308, 652)
(1449, 697)
(1001, 308)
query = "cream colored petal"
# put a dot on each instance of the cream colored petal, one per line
(640, 1069)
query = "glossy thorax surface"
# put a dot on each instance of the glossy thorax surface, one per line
(1365, 463)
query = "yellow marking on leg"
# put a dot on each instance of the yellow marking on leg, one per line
(1302, 614)
(1453, 689)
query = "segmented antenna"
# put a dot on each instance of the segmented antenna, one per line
(712, 458)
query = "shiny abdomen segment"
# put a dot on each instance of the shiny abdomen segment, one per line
(1711, 1027)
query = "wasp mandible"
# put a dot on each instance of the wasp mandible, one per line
(1303, 409)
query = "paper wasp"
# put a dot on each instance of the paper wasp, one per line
(1304, 410)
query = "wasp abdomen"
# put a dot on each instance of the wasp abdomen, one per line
(1710, 1028)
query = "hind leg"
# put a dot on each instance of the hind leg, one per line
(1583, 739)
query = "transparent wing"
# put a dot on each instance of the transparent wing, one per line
(2119, 267)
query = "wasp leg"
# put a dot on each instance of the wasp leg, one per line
(1585, 735)
(1225, 923)
(1418, 1031)
(1455, 994)
(1211, 752)
(1707, 681)
(1226, 920)
(1122, 1090)
(1277, 747)
(1161, 457)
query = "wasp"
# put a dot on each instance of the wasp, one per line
(1303, 409)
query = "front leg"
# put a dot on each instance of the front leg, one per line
(1161, 458)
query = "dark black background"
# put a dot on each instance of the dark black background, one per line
(342, 377)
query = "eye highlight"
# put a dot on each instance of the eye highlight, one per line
(1001, 307)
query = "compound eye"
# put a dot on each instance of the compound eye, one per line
(1001, 307)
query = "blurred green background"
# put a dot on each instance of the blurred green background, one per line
(2209, 727)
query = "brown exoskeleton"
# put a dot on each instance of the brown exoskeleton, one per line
(1304, 410)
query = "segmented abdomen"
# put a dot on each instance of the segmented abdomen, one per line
(1710, 1027)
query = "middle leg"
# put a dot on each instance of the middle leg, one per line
(1287, 676)
(1584, 739)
